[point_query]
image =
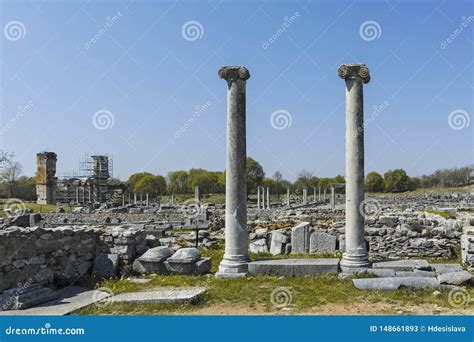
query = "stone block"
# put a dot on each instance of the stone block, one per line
(278, 242)
(258, 246)
(105, 265)
(293, 267)
(455, 278)
(322, 242)
(300, 238)
(393, 283)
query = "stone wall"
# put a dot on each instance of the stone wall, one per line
(65, 255)
(401, 235)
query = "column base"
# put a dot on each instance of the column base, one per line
(232, 269)
(354, 262)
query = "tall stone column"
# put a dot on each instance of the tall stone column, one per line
(258, 197)
(134, 198)
(314, 194)
(319, 193)
(268, 198)
(263, 197)
(236, 258)
(288, 196)
(333, 198)
(355, 75)
(305, 196)
(147, 200)
(197, 195)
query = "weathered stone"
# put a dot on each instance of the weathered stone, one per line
(259, 246)
(26, 296)
(393, 283)
(165, 296)
(293, 267)
(300, 238)
(455, 278)
(278, 242)
(105, 265)
(322, 242)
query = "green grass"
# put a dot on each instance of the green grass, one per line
(37, 208)
(256, 292)
(440, 213)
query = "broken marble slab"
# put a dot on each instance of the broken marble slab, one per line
(162, 296)
(394, 283)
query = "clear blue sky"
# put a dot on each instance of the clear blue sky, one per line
(143, 71)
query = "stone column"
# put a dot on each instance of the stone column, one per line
(172, 199)
(288, 196)
(333, 198)
(355, 75)
(258, 197)
(141, 198)
(123, 199)
(134, 198)
(319, 195)
(314, 194)
(236, 258)
(305, 196)
(147, 200)
(197, 195)
(324, 195)
(129, 198)
(77, 195)
(268, 198)
(263, 197)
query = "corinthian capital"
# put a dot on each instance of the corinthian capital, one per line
(354, 71)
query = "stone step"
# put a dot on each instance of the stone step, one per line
(294, 267)
(162, 296)
(402, 265)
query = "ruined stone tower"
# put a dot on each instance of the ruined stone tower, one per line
(45, 177)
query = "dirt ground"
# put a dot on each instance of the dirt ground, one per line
(334, 309)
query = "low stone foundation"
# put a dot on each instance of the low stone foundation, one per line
(65, 255)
